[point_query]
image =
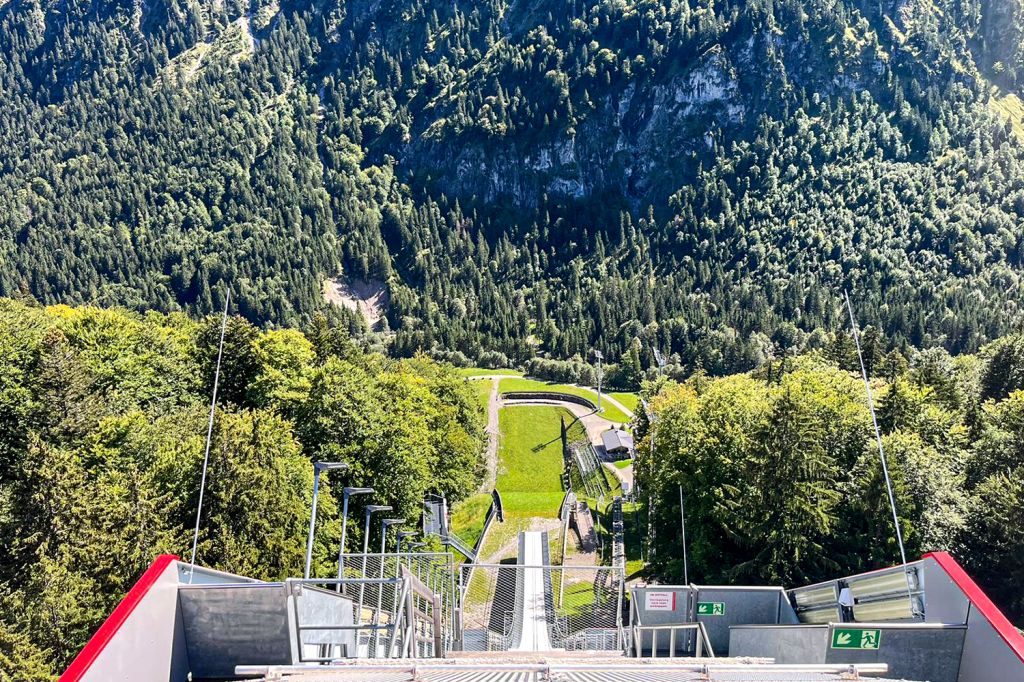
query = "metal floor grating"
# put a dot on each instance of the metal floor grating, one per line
(652, 672)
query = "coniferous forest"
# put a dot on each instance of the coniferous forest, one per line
(526, 178)
(526, 182)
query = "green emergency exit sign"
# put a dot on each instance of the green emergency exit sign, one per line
(856, 638)
(711, 608)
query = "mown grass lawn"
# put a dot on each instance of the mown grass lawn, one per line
(483, 392)
(481, 371)
(468, 517)
(630, 400)
(530, 459)
(609, 412)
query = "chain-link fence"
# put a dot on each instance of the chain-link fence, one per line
(376, 603)
(582, 606)
(585, 475)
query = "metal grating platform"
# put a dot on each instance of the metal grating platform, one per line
(569, 672)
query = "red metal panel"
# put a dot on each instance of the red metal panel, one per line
(116, 619)
(980, 601)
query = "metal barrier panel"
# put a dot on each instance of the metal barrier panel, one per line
(799, 644)
(229, 625)
(318, 613)
(662, 605)
(582, 606)
(718, 608)
(915, 651)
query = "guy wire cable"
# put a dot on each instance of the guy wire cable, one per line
(209, 436)
(881, 452)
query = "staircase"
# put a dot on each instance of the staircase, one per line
(460, 546)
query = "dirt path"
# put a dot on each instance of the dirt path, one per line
(493, 436)
(625, 476)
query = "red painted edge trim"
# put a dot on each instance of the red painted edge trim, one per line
(1000, 623)
(98, 642)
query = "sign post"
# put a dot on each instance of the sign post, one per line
(856, 638)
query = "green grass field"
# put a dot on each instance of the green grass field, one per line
(469, 515)
(630, 400)
(481, 372)
(483, 392)
(610, 412)
(622, 463)
(530, 459)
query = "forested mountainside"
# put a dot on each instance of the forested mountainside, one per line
(103, 419)
(526, 177)
(784, 485)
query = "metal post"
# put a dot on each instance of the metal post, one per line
(600, 376)
(682, 519)
(370, 509)
(209, 438)
(317, 468)
(618, 608)
(312, 522)
(347, 492)
(384, 524)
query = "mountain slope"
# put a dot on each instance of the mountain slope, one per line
(527, 177)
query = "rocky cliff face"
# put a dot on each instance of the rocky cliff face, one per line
(543, 100)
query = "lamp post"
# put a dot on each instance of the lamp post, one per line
(348, 492)
(384, 525)
(411, 546)
(401, 535)
(369, 511)
(600, 376)
(317, 468)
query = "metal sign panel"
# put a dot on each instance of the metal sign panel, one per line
(711, 608)
(660, 601)
(856, 638)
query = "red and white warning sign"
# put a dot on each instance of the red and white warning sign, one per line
(660, 601)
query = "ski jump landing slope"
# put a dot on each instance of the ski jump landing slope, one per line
(534, 632)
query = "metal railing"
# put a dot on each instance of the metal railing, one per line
(566, 672)
(335, 631)
(702, 643)
(586, 475)
(408, 621)
(578, 599)
(373, 601)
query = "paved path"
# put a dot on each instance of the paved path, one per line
(605, 398)
(534, 636)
